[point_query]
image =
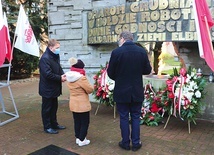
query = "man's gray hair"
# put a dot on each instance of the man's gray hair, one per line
(126, 35)
(52, 42)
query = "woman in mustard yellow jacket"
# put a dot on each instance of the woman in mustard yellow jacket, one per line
(79, 103)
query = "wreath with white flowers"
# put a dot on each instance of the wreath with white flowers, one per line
(184, 93)
(103, 87)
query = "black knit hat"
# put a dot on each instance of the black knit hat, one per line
(77, 63)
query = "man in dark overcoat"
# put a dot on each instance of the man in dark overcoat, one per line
(128, 63)
(50, 86)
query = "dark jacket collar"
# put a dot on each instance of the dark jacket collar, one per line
(128, 42)
(55, 56)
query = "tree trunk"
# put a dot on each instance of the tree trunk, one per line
(157, 52)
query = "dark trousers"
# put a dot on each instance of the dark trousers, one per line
(134, 109)
(49, 110)
(81, 124)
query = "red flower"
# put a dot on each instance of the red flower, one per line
(151, 118)
(171, 95)
(186, 101)
(95, 77)
(169, 88)
(98, 94)
(174, 79)
(183, 72)
(100, 89)
(104, 95)
(169, 82)
(158, 99)
(154, 107)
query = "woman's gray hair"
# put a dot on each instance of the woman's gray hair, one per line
(126, 35)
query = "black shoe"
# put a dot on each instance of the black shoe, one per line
(137, 147)
(123, 146)
(59, 127)
(51, 131)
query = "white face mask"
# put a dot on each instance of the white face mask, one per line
(119, 42)
(57, 51)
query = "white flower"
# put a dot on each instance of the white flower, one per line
(146, 104)
(192, 84)
(186, 90)
(182, 102)
(111, 86)
(188, 78)
(189, 95)
(109, 82)
(198, 94)
(193, 74)
(195, 87)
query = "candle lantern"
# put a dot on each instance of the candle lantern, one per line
(211, 77)
(199, 72)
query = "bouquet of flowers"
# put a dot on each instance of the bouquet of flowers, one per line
(152, 108)
(184, 93)
(103, 87)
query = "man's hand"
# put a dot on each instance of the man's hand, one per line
(63, 78)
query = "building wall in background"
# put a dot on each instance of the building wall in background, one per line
(68, 24)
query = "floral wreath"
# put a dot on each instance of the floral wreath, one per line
(103, 87)
(182, 97)
(152, 111)
(184, 93)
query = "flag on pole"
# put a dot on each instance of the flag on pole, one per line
(26, 41)
(204, 22)
(2, 40)
(7, 40)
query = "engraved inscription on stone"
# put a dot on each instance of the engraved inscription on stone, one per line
(148, 20)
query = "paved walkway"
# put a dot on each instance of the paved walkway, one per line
(26, 135)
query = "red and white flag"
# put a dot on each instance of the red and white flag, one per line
(5, 46)
(26, 41)
(204, 22)
(2, 40)
(7, 40)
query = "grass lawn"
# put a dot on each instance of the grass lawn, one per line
(168, 72)
(172, 63)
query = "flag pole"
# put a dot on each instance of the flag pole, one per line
(14, 38)
(12, 47)
(10, 63)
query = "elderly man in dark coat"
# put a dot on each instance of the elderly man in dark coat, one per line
(126, 66)
(50, 86)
